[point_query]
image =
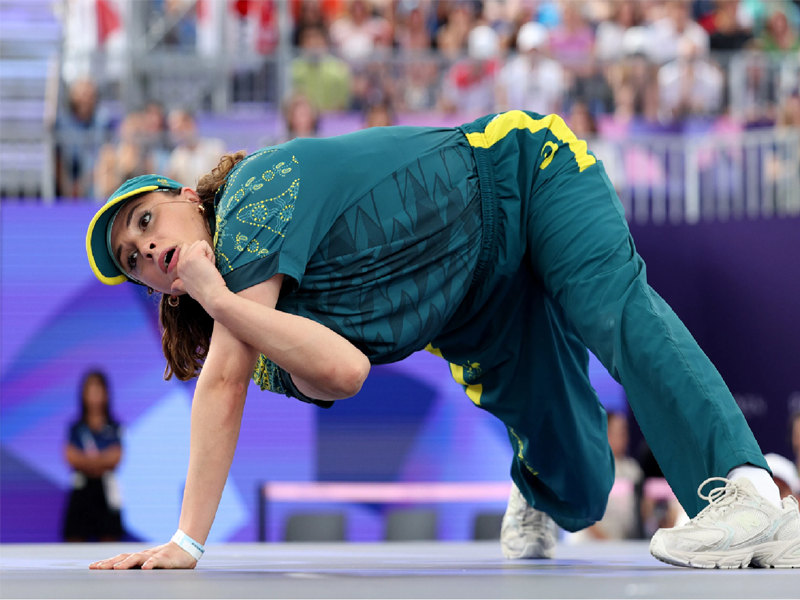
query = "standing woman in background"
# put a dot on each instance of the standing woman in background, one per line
(94, 451)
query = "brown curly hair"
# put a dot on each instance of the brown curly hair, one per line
(186, 328)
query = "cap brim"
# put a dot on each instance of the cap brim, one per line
(96, 247)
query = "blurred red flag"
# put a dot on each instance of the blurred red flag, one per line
(108, 19)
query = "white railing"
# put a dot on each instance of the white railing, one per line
(659, 179)
(715, 177)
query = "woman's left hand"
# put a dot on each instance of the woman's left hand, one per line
(166, 556)
(197, 273)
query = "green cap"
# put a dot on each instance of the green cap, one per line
(98, 238)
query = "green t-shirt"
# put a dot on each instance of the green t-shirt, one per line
(376, 232)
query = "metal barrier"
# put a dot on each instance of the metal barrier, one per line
(659, 179)
(712, 177)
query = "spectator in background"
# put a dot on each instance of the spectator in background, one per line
(128, 158)
(453, 35)
(310, 13)
(193, 155)
(779, 34)
(321, 77)
(156, 134)
(689, 85)
(411, 33)
(620, 521)
(572, 42)
(379, 115)
(582, 123)
(785, 474)
(610, 33)
(666, 36)
(301, 118)
(591, 87)
(727, 32)
(357, 34)
(418, 91)
(94, 451)
(658, 506)
(372, 82)
(531, 81)
(635, 90)
(80, 131)
(753, 85)
(469, 86)
(789, 114)
(781, 165)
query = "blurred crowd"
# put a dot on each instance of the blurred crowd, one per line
(612, 68)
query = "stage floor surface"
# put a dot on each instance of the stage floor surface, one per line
(397, 570)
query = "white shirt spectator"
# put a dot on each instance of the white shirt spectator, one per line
(193, 156)
(469, 86)
(665, 39)
(187, 164)
(532, 83)
(608, 41)
(689, 85)
(356, 36)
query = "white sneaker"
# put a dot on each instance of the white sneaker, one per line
(526, 532)
(738, 528)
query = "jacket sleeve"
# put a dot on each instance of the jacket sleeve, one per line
(270, 377)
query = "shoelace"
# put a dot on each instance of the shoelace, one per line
(717, 498)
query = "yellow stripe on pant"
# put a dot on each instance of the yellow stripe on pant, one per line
(505, 123)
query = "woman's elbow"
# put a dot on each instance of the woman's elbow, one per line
(350, 379)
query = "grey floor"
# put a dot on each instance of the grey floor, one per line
(400, 570)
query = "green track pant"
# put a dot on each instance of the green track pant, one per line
(562, 275)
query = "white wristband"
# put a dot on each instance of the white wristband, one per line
(188, 544)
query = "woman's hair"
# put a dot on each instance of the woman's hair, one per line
(100, 377)
(187, 327)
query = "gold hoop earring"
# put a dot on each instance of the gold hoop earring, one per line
(202, 209)
(173, 301)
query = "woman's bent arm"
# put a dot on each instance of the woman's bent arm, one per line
(94, 465)
(323, 364)
(320, 361)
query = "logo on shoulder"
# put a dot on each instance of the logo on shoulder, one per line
(548, 151)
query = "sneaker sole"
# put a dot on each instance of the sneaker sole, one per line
(771, 555)
(777, 555)
(530, 551)
(705, 560)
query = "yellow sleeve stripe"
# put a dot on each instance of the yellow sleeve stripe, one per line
(512, 120)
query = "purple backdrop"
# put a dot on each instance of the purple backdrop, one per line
(736, 286)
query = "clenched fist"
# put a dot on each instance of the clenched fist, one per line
(197, 273)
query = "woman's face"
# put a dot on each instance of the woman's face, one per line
(148, 232)
(94, 395)
(302, 119)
